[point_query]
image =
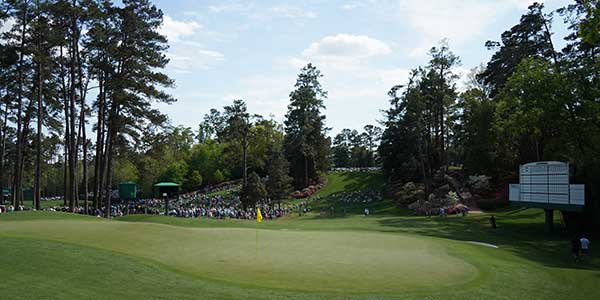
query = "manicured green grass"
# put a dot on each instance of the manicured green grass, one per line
(340, 181)
(363, 262)
(52, 203)
(41, 269)
(390, 255)
(44, 204)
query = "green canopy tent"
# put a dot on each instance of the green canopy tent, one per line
(166, 190)
(127, 192)
(6, 194)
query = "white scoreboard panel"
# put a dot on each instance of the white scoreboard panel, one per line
(546, 183)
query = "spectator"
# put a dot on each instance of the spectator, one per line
(493, 222)
(585, 246)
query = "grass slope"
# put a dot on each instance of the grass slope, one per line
(390, 255)
(348, 182)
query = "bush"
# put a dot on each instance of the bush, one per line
(218, 177)
(491, 203)
(452, 198)
(479, 183)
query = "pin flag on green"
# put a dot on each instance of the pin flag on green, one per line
(258, 220)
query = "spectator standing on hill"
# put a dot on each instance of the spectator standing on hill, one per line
(493, 222)
(585, 245)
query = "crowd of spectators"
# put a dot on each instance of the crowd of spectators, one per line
(10, 208)
(221, 206)
(191, 205)
(360, 196)
(351, 170)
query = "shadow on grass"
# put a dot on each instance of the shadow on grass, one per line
(526, 240)
(363, 181)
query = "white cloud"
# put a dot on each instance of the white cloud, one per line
(187, 55)
(218, 56)
(293, 12)
(345, 48)
(173, 29)
(349, 6)
(188, 59)
(230, 7)
(458, 21)
(342, 52)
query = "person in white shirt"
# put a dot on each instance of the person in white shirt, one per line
(585, 245)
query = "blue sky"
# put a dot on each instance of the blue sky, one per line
(253, 50)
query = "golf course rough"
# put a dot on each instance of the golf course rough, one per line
(290, 260)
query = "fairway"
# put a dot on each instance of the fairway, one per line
(323, 261)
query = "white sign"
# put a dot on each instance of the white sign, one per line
(546, 182)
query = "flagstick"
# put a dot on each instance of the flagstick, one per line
(258, 220)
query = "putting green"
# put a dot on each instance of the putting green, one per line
(310, 261)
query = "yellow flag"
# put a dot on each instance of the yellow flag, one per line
(258, 215)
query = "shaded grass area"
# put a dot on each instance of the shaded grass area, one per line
(38, 269)
(520, 231)
(53, 203)
(43, 215)
(44, 204)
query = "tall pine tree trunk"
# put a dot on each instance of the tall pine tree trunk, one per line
(72, 136)
(3, 147)
(112, 133)
(83, 94)
(98, 166)
(17, 186)
(38, 156)
(29, 113)
(66, 189)
(442, 113)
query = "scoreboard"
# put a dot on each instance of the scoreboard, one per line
(546, 185)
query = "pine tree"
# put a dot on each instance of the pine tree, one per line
(238, 130)
(253, 191)
(134, 79)
(278, 183)
(305, 144)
